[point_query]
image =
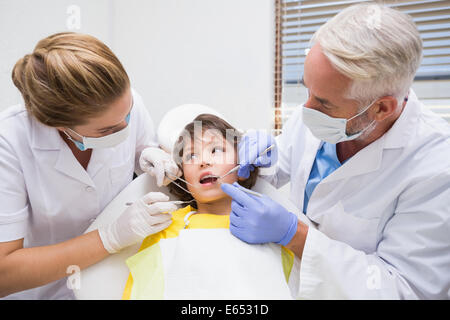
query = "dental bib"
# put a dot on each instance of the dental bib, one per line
(198, 258)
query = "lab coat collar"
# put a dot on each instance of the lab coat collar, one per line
(404, 128)
(45, 138)
(69, 165)
(365, 161)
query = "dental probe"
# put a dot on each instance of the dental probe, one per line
(238, 166)
(173, 201)
(178, 178)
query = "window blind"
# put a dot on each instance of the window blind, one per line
(301, 18)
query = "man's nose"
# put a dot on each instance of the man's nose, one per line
(309, 101)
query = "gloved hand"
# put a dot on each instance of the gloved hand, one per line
(157, 162)
(250, 147)
(143, 218)
(259, 219)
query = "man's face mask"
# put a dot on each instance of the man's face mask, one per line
(331, 130)
(108, 141)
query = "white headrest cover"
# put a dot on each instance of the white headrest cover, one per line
(174, 121)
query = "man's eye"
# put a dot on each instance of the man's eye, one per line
(325, 106)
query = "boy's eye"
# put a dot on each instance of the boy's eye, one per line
(218, 149)
(190, 156)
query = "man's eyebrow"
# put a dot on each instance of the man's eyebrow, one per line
(321, 100)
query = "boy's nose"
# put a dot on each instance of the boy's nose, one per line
(206, 160)
(205, 163)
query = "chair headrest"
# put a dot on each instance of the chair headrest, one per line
(174, 121)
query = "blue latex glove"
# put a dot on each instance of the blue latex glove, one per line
(259, 219)
(250, 147)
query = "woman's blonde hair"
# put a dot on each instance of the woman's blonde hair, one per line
(68, 78)
(377, 47)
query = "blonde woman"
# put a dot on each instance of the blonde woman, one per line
(64, 155)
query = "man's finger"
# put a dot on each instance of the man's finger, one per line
(244, 171)
(236, 220)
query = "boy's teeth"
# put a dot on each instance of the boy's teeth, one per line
(208, 177)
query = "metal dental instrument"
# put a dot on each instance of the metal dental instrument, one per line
(250, 192)
(238, 166)
(178, 185)
(178, 178)
(172, 201)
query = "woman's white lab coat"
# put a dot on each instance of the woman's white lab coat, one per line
(46, 196)
(383, 218)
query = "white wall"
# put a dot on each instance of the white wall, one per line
(217, 53)
(213, 52)
(24, 22)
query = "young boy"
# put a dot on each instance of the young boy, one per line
(196, 257)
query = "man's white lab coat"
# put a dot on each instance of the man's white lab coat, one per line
(383, 217)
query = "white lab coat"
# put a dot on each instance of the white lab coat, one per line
(383, 218)
(46, 196)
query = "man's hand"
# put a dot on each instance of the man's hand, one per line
(250, 148)
(259, 219)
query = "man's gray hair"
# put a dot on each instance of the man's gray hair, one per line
(377, 47)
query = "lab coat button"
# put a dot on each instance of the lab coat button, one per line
(89, 189)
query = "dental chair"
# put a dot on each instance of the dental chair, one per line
(107, 279)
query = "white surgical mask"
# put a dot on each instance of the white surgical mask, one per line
(108, 141)
(329, 129)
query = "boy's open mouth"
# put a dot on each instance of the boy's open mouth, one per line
(208, 179)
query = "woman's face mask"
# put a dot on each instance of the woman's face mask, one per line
(108, 141)
(331, 130)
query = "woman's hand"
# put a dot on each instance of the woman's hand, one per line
(147, 216)
(157, 163)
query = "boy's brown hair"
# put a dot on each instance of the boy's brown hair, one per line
(208, 122)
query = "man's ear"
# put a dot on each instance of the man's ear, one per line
(386, 107)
